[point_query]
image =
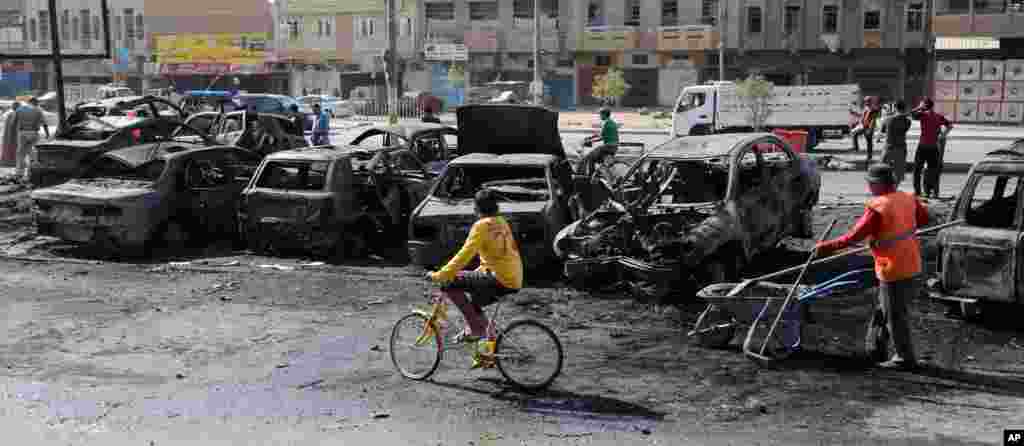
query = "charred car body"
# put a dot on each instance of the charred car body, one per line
(134, 197)
(86, 137)
(263, 133)
(980, 261)
(433, 144)
(692, 211)
(331, 201)
(515, 151)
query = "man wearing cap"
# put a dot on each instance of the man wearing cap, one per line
(889, 222)
(30, 119)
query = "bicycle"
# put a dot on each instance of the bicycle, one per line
(507, 347)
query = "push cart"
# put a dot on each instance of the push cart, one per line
(837, 304)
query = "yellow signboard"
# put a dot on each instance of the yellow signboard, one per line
(229, 48)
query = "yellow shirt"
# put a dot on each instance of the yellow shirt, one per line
(491, 238)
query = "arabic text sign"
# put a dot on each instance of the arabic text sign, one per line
(229, 48)
(445, 51)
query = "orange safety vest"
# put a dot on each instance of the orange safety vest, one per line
(897, 252)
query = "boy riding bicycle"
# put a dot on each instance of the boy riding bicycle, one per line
(500, 271)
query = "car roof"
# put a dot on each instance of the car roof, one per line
(407, 131)
(316, 153)
(519, 159)
(708, 146)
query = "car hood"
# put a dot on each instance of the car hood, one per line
(440, 208)
(96, 191)
(507, 129)
(70, 144)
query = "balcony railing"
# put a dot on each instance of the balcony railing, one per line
(597, 38)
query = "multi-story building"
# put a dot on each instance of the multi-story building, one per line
(80, 28)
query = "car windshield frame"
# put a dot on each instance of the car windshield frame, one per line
(267, 171)
(511, 182)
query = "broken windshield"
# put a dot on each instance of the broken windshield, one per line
(670, 182)
(509, 183)
(294, 175)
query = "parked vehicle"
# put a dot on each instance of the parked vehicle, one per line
(433, 144)
(143, 196)
(334, 106)
(196, 101)
(716, 108)
(111, 91)
(332, 201)
(980, 261)
(86, 137)
(690, 212)
(137, 106)
(276, 104)
(515, 151)
(263, 133)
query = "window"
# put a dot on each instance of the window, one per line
(327, 27)
(989, 6)
(754, 19)
(65, 26)
(640, 59)
(367, 27)
(830, 19)
(669, 12)
(595, 14)
(294, 28)
(320, 27)
(97, 28)
(993, 201)
(602, 60)
(406, 26)
(140, 31)
(440, 11)
(872, 20)
(632, 13)
(915, 17)
(117, 28)
(691, 101)
(74, 29)
(483, 11)
(129, 24)
(523, 9)
(86, 29)
(44, 27)
(791, 23)
(709, 8)
(294, 175)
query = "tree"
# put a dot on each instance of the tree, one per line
(755, 92)
(610, 87)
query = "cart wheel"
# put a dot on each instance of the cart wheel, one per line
(715, 327)
(876, 338)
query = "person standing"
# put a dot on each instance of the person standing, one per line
(866, 126)
(322, 126)
(889, 222)
(928, 147)
(10, 136)
(30, 119)
(895, 128)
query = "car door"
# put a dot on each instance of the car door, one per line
(213, 187)
(784, 188)
(410, 175)
(751, 197)
(230, 128)
(981, 258)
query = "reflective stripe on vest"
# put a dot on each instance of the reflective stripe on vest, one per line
(897, 252)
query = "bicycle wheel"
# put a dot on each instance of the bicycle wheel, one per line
(414, 360)
(529, 355)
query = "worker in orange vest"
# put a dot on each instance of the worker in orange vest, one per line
(890, 219)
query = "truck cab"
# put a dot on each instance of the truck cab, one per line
(695, 110)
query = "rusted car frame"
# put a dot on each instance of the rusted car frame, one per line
(133, 199)
(433, 144)
(334, 202)
(980, 261)
(690, 212)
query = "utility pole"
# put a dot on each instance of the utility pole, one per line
(721, 40)
(58, 63)
(392, 62)
(538, 82)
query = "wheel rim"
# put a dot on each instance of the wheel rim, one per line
(411, 360)
(529, 355)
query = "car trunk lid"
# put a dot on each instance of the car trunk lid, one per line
(508, 129)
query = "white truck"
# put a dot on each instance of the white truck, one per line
(716, 108)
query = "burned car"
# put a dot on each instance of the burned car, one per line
(980, 261)
(515, 151)
(690, 212)
(87, 137)
(332, 201)
(433, 144)
(263, 133)
(132, 199)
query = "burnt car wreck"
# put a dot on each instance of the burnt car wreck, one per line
(693, 211)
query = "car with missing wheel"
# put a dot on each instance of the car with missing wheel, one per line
(981, 262)
(87, 136)
(514, 151)
(135, 198)
(690, 212)
(332, 201)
